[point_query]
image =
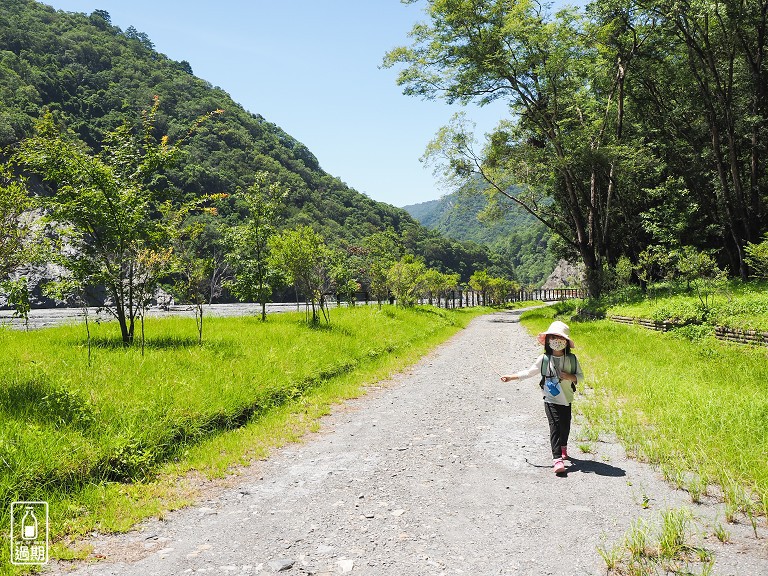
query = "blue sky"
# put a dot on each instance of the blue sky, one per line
(312, 68)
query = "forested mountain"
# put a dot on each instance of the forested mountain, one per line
(517, 236)
(92, 76)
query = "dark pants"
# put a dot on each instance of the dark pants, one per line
(559, 426)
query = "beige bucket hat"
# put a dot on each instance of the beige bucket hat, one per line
(557, 328)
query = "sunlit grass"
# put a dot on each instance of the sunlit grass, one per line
(666, 546)
(738, 305)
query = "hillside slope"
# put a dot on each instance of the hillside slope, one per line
(92, 75)
(519, 238)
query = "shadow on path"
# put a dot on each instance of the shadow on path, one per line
(586, 467)
(594, 467)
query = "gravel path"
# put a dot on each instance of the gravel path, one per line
(443, 470)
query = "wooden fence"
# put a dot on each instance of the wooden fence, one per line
(467, 298)
(721, 332)
(548, 295)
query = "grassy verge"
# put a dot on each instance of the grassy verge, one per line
(696, 410)
(114, 442)
(737, 304)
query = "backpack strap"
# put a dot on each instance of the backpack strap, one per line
(573, 363)
(544, 369)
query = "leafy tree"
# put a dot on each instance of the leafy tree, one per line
(18, 297)
(406, 280)
(652, 264)
(117, 219)
(303, 257)
(346, 267)
(451, 283)
(198, 265)
(710, 90)
(381, 251)
(480, 281)
(254, 277)
(757, 257)
(14, 224)
(434, 282)
(562, 143)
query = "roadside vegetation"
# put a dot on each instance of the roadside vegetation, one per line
(679, 400)
(734, 304)
(98, 441)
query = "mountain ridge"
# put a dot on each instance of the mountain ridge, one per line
(518, 237)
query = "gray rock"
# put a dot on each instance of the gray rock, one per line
(281, 564)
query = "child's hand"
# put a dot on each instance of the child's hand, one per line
(507, 378)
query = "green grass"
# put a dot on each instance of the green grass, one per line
(109, 444)
(738, 305)
(664, 547)
(681, 405)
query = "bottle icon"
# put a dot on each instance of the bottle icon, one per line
(29, 525)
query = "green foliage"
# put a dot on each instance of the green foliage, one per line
(406, 279)
(254, 277)
(305, 260)
(519, 241)
(757, 258)
(14, 228)
(119, 221)
(610, 110)
(91, 75)
(198, 266)
(381, 250)
(18, 298)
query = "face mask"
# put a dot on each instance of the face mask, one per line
(557, 344)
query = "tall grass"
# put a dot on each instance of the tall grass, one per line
(68, 428)
(696, 409)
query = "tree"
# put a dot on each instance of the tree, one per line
(561, 155)
(716, 96)
(346, 268)
(480, 281)
(303, 257)
(757, 258)
(193, 282)
(406, 280)
(117, 218)
(434, 282)
(254, 277)
(198, 266)
(14, 222)
(382, 250)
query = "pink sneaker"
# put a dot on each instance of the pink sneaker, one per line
(564, 452)
(559, 466)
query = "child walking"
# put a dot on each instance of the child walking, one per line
(560, 373)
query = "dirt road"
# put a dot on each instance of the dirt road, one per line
(444, 470)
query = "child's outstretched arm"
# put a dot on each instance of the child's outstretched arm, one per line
(534, 369)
